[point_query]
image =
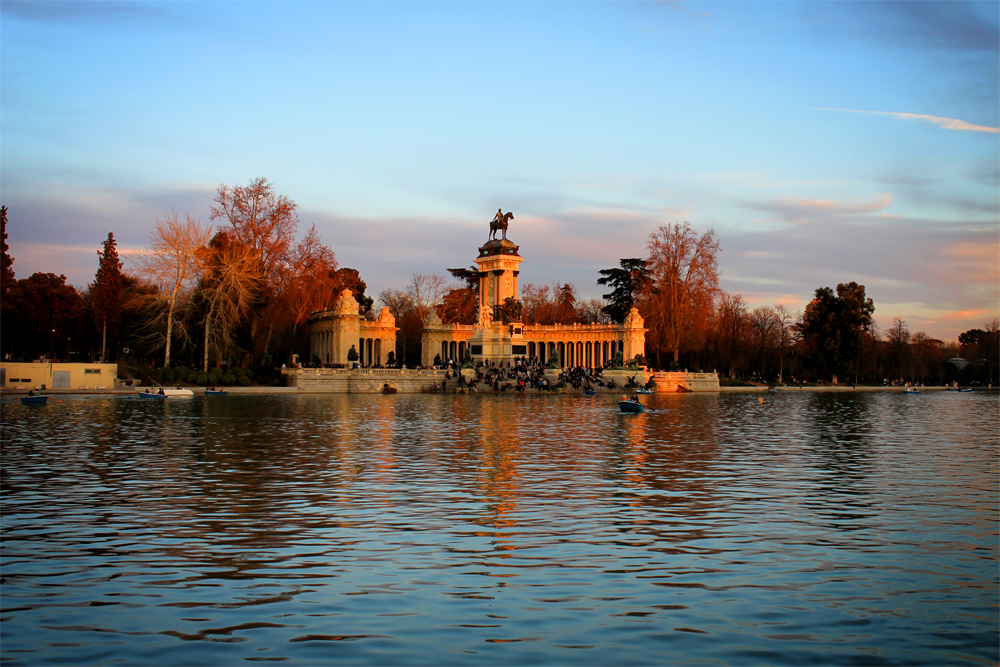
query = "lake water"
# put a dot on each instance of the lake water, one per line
(815, 528)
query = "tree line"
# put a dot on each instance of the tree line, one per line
(234, 296)
(693, 324)
(239, 296)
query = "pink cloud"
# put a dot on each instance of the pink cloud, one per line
(803, 211)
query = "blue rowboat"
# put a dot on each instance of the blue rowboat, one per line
(644, 391)
(629, 406)
(34, 400)
(215, 392)
(146, 394)
(590, 392)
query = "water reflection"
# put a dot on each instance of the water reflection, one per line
(845, 466)
(454, 529)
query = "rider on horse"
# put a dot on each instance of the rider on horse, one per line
(499, 223)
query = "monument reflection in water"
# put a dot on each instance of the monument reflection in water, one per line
(414, 529)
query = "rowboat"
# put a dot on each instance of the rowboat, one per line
(163, 392)
(644, 391)
(590, 392)
(631, 406)
(911, 390)
(215, 392)
(34, 400)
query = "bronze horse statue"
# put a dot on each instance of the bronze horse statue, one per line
(500, 225)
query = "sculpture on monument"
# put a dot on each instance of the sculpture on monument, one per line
(499, 223)
(485, 317)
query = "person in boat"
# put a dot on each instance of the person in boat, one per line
(635, 398)
(161, 391)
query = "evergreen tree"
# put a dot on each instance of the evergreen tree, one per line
(625, 282)
(106, 292)
(6, 272)
(832, 325)
(9, 317)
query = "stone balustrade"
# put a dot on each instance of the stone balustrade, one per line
(362, 380)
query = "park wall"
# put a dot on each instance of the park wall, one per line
(362, 380)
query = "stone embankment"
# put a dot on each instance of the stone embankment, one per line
(412, 381)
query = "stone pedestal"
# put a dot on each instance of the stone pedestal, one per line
(679, 381)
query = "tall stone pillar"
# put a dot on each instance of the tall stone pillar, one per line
(493, 339)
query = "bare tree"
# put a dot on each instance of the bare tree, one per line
(898, 337)
(230, 282)
(260, 218)
(426, 292)
(684, 279)
(171, 262)
(592, 311)
(763, 327)
(871, 339)
(537, 304)
(731, 324)
(785, 320)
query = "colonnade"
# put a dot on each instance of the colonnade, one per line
(322, 346)
(589, 354)
(370, 352)
(454, 350)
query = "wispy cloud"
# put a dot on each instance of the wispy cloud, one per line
(802, 211)
(940, 121)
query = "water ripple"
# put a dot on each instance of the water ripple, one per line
(811, 529)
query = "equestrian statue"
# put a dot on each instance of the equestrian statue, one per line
(499, 224)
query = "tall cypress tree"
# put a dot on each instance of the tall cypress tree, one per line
(9, 315)
(6, 271)
(106, 292)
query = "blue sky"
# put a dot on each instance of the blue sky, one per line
(823, 142)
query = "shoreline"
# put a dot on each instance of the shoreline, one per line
(619, 390)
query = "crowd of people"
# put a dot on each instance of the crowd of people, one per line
(520, 374)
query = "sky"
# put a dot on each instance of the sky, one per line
(822, 142)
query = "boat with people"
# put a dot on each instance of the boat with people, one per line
(212, 391)
(644, 391)
(631, 405)
(911, 390)
(34, 399)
